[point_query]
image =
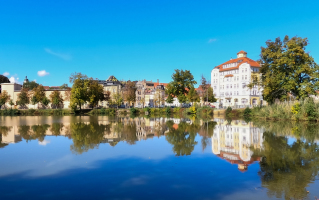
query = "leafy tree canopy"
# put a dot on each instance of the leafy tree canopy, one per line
(182, 82)
(288, 68)
(30, 85)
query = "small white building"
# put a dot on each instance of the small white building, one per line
(229, 81)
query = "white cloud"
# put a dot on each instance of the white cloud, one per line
(14, 79)
(43, 73)
(6, 74)
(44, 142)
(60, 55)
(212, 40)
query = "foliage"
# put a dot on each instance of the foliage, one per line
(287, 69)
(193, 110)
(45, 101)
(116, 100)
(95, 93)
(38, 94)
(23, 97)
(306, 109)
(79, 94)
(133, 111)
(4, 79)
(228, 110)
(129, 94)
(56, 98)
(211, 96)
(247, 112)
(30, 85)
(11, 103)
(179, 86)
(64, 86)
(192, 95)
(4, 98)
(168, 110)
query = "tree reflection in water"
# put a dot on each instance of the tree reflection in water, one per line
(288, 169)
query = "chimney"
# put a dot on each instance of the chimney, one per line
(157, 80)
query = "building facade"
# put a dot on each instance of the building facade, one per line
(230, 79)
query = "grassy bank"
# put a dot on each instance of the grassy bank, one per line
(35, 112)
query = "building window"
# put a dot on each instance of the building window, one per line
(245, 77)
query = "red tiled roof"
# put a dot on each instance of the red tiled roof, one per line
(164, 84)
(239, 61)
(244, 52)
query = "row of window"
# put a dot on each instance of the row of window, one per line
(236, 71)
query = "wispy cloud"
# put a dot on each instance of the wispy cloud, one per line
(212, 40)
(6, 74)
(57, 54)
(43, 73)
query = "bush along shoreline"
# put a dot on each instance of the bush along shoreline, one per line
(177, 111)
(303, 110)
(35, 112)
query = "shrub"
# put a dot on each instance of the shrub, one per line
(168, 110)
(228, 110)
(133, 111)
(247, 112)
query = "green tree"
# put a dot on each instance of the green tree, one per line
(30, 85)
(45, 101)
(287, 68)
(193, 96)
(79, 91)
(95, 93)
(179, 86)
(11, 103)
(4, 79)
(4, 98)
(129, 92)
(23, 97)
(64, 86)
(38, 95)
(56, 98)
(117, 99)
(211, 96)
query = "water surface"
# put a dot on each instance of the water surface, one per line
(156, 158)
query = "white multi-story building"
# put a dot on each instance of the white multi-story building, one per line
(229, 81)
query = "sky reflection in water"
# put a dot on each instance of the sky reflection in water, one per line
(156, 158)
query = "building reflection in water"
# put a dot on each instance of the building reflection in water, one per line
(232, 141)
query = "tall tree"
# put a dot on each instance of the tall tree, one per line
(79, 94)
(38, 94)
(192, 95)
(4, 98)
(117, 99)
(204, 86)
(56, 98)
(129, 92)
(64, 86)
(23, 97)
(95, 93)
(4, 79)
(180, 85)
(287, 68)
(30, 85)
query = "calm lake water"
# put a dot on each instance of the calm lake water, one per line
(156, 158)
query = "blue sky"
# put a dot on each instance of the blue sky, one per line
(48, 40)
